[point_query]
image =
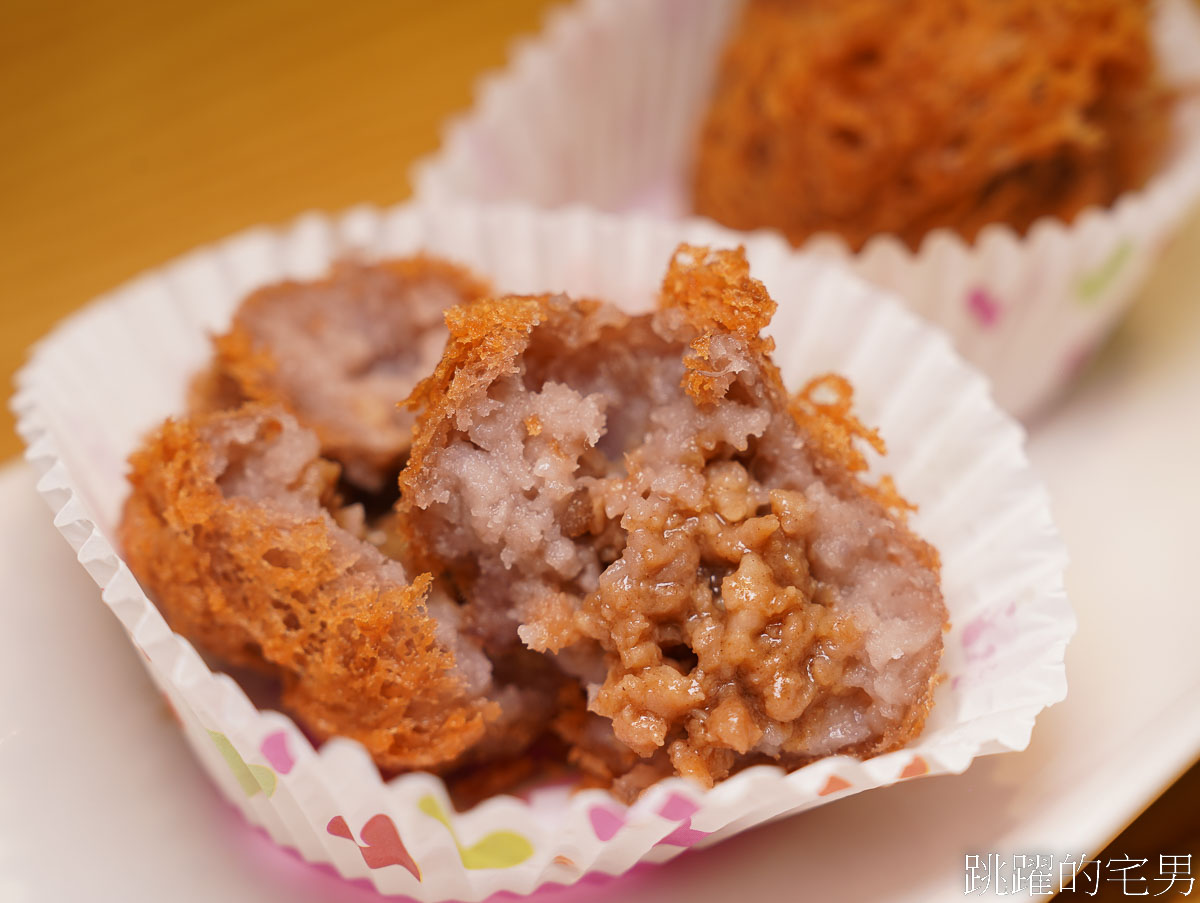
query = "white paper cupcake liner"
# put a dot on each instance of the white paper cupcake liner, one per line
(603, 108)
(113, 371)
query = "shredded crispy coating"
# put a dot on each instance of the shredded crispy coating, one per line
(824, 408)
(229, 526)
(485, 339)
(861, 117)
(339, 352)
(717, 296)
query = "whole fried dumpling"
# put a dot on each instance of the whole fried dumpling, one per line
(861, 117)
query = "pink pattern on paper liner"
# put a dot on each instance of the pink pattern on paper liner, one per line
(985, 306)
(914, 769)
(835, 784)
(275, 750)
(381, 844)
(605, 822)
(683, 836)
(299, 877)
(979, 634)
(678, 808)
(981, 637)
(681, 809)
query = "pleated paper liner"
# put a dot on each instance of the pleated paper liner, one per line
(603, 108)
(110, 373)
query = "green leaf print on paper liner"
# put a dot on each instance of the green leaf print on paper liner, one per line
(252, 778)
(498, 850)
(1094, 283)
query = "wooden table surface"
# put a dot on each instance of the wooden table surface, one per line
(131, 132)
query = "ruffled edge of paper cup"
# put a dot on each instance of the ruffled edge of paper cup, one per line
(330, 804)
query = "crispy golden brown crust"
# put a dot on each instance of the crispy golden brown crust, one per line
(486, 338)
(717, 295)
(280, 586)
(878, 116)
